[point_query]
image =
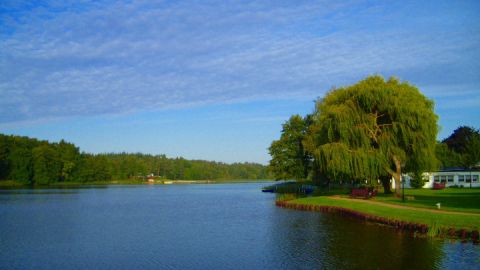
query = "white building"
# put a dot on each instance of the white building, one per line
(451, 177)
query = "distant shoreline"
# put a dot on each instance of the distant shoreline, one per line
(14, 184)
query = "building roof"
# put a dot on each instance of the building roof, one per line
(458, 169)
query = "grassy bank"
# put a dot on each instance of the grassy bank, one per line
(460, 209)
(432, 219)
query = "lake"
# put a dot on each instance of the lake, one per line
(200, 226)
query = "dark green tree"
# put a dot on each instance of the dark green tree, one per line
(21, 164)
(465, 141)
(93, 168)
(69, 156)
(446, 157)
(47, 167)
(4, 153)
(289, 158)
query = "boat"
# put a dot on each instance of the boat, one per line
(268, 189)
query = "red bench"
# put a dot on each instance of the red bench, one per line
(363, 192)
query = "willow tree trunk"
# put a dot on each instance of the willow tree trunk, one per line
(397, 176)
(386, 184)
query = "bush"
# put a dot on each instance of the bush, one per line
(417, 180)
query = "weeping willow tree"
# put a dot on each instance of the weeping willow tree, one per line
(373, 129)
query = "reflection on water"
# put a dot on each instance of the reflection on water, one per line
(335, 242)
(224, 226)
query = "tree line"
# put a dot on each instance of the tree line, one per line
(374, 130)
(31, 161)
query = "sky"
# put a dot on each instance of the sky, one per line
(215, 80)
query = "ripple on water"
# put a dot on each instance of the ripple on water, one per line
(225, 226)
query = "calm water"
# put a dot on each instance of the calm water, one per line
(224, 226)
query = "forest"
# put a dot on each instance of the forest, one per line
(36, 162)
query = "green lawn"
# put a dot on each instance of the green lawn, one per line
(466, 221)
(454, 199)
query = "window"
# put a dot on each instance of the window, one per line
(436, 178)
(474, 178)
(468, 178)
(450, 178)
(461, 178)
(443, 178)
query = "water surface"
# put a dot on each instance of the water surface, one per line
(216, 226)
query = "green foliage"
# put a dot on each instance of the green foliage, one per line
(366, 131)
(46, 164)
(417, 179)
(93, 168)
(20, 164)
(30, 161)
(289, 158)
(69, 156)
(460, 139)
(373, 128)
(4, 157)
(460, 149)
(129, 166)
(447, 157)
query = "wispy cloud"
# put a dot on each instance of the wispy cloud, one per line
(60, 59)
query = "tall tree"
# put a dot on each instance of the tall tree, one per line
(289, 158)
(69, 156)
(47, 166)
(20, 163)
(4, 153)
(465, 141)
(372, 129)
(93, 168)
(446, 157)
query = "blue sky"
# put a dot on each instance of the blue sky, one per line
(216, 79)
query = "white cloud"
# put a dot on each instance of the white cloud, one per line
(111, 58)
